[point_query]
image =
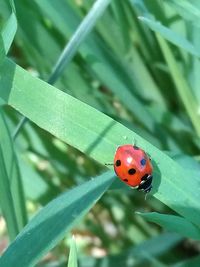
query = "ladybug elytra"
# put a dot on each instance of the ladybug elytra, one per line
(133, 166)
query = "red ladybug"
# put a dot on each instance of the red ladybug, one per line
(133, 166)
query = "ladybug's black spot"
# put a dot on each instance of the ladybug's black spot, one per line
(144, 178)
(143, 162)
(131, 171)
(118, 163)
(125, 180)
(136, 147)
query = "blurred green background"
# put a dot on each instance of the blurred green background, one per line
(140, 66)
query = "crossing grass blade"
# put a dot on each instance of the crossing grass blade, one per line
(78, 37)
(12, 4)
(171, 36)
(6, 200)
(9, 31)
(182, 86)
(67, 118)
(2, 51)
(120, 70)
(173, 223)
(189, 11)
(110, 70)
(72, 261)
(49, 226)
(183, 89)
(34, 186)
(11, 190)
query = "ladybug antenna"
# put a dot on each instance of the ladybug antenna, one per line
(145, 197)
(109, 164)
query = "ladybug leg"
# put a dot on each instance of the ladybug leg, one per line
(146, 184)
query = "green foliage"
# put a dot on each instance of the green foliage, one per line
(72, 261)
(11, 194)
(124, 72)
(50, 224)
(173, 223)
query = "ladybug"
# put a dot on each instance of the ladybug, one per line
(133, 166)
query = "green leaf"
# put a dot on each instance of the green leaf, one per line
(72, 261)
(185, 160)
(78, 37)
(49, 226)
(8, 32)
(173, 223)
(182, 86)
(111, 71)
(194, 77)
(12, 4)
(171, 36)
(2, 51)
(34, 186)
(67, 118)
(6, 200)
(186, 9)
(11, 190)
